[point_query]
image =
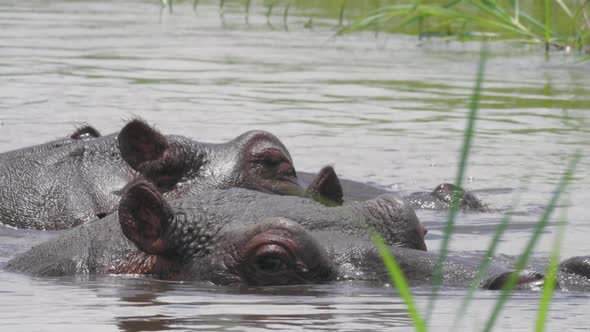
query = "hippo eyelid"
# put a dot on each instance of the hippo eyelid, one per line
(271, 156)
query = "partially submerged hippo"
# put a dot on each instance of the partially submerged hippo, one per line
(241, 236)
(227, 236)
(438, 199)
(63, 184)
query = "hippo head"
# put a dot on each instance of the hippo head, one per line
(190, 246)
(265, 164)
(467, 200)
(185, 242)
(255, 160)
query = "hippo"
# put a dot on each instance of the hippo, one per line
(152, 235)
(437, 199)
(83, 133)
(68, 182)
(240, 236)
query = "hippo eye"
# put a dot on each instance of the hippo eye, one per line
(270, 264)
(272, 258)
(272, 157)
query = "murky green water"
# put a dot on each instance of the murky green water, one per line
(388, 110)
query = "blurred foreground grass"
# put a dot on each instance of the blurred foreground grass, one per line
(397, 275)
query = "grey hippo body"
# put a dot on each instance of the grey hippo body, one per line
(439, 198)
(208, 236)
(83, 133)
(247, 237)
(68, 182)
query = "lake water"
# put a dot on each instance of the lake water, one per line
(383, 109)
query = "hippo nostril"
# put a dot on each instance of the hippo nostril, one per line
(425, 231)
(101, 215)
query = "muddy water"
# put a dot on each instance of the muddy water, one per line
(388, 110)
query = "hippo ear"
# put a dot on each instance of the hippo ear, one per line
(445, 192)
(325, 187)
(144, 217)
(85, 132)
(140, 143)
(149, 152)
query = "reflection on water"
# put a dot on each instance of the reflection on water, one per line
(388, 110)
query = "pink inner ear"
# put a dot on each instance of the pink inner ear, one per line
(148, 223)
(140, 216)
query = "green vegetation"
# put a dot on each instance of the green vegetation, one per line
(398, 279)
(558, 23)
(562, 24)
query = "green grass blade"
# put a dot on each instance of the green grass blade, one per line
(523, 259)
(399, 281)
(551, 274)
(565, 8)
(452, 3)
(535, 23)
(486, 260)
(493, 9)
(547, 24)
(247, 8)
(516, 6)
(269, 11)
(502, 22)
(406, 21)
(286, 16)
(341, 14)
(467, 138)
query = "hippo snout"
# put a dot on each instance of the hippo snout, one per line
(526, 280)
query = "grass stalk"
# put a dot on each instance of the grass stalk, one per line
(399, 281)
(516, 6)
(524, 257)
(286, 16)
(547, 24)
(467, 138)
(564, 7)
(551, 273)
(247, 7)
(269, 11)
(341, 14)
